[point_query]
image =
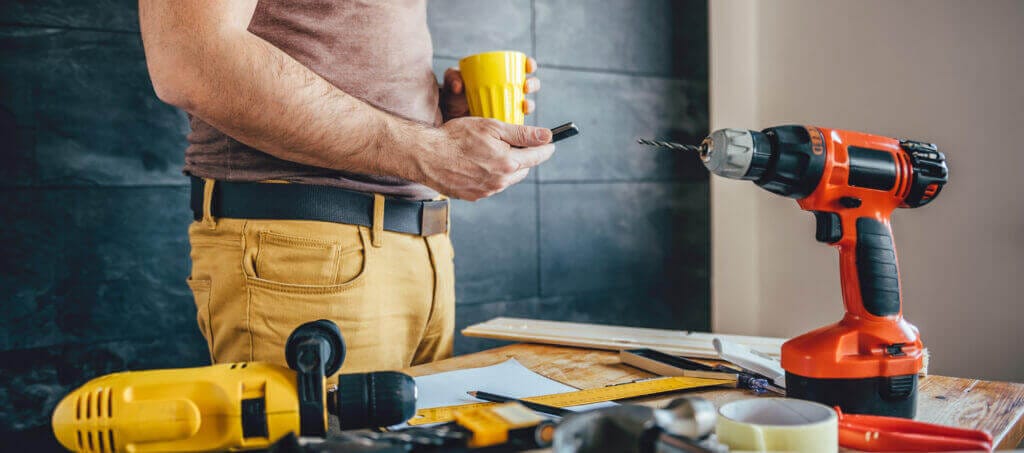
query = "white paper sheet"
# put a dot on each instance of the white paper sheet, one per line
(509, 378)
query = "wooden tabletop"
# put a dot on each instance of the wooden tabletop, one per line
(997, 407)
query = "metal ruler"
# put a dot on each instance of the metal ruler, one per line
(581, 397)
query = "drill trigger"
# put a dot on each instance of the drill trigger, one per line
(829, 228)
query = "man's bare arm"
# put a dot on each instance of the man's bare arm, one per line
(202, 58)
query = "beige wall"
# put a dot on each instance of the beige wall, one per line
(950, 72)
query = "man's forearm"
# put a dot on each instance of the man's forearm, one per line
(259, 95)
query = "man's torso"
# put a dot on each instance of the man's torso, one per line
(376, 50)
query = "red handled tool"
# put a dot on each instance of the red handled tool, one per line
(878, 433)
(852, 181)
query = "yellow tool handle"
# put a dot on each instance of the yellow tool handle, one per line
(581, 397)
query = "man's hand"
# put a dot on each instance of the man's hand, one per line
(453, 92)
(475, 158)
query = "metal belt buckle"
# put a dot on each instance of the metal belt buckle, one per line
(434, 219)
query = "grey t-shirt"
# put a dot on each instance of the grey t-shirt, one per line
(378, 51)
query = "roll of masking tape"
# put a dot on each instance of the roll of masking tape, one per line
(778, 424)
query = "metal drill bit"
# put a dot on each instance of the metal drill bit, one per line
(669, 145)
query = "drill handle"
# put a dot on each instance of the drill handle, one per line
(869, 270)
(315, 350)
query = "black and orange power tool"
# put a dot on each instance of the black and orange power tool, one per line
(867, 362)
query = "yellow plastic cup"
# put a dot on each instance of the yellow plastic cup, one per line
(494, 83)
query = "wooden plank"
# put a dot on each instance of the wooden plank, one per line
(994, 406)
(976, 404)
(679, 342)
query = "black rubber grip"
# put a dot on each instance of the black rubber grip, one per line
(877, 271)
(254, 417)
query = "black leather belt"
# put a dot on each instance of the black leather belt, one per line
(252, 200)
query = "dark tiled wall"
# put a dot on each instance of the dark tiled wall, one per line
(94, 205)
(606, 231)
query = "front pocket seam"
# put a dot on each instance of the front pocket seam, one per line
(206, 241)
(357, 281)
(247, 288)
(198, 286)
(307, 289)
(285, 239)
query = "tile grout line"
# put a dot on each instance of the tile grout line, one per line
(533, 28)
(99, 342)
(589, 294)
(620, 181)
(36, 176)
(91, 186)
(537, 236)
(621, 72)
(68, 28)
(537, 181)
(537, 174)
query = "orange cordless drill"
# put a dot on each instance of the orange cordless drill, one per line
(868, 361)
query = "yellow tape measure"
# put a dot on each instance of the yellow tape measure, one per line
(581, 397)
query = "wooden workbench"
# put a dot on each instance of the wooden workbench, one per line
(997, 407)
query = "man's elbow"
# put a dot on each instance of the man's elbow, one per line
(171, 93)
(174, 89)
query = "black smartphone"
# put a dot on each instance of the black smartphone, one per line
(564, 131)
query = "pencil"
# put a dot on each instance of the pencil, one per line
(543, 408)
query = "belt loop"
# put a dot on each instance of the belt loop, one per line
(378, 220)
(448, 216)
(208, 220)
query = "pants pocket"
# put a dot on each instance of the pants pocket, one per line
(284, 296)
(276, 313)
(288, 258)
(201, 293)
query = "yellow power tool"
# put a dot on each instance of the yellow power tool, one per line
(236, 406)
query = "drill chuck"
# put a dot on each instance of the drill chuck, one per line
(785, 160)
(381, 398)
(731, 153)
(736, 153)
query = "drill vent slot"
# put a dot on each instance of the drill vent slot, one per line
(98, 405)
(101, 404)
(98, 441)
(95, 405)
(88, 405)
(110, 403)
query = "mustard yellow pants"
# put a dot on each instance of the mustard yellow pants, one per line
(254, 281)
